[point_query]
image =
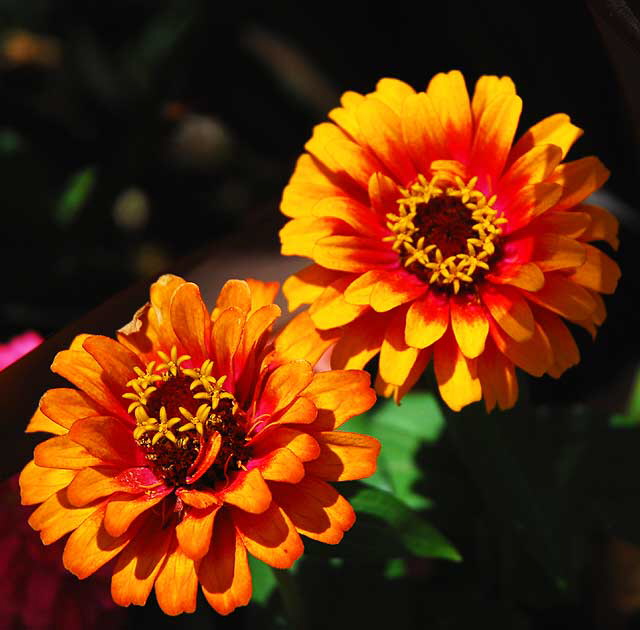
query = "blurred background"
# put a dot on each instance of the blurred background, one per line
(143, 136)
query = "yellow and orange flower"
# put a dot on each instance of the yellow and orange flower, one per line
(433, 237)
(192, 440)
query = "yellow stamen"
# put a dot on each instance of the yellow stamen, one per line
(406, 238)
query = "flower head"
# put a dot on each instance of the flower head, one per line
(434, 238)
(192, 440)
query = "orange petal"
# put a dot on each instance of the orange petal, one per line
(63, 452)
(552, 252)
(358, 216)
(198, 498)
(64, 406)
(248, 491)
(451, 101)
(603, 227)
(579, 179)
(190, 321)
(510, 310)
(262, 293)
(40, 422)
(381, 130)
(397, 392)
(354, 253)
(493, 136)
(394, 289)
(279, 465)
(283, 385)
(566, 223)
(423, 134)
(359, 291)
(348, 163)
(206, 457)
(302, 411)
(106, 438)
(339, 395)
(81, 369)
(498, 378)
(427, 320)
(300, 236)
(565, 350)
(564, 297)
(393, 93)
(94, 483)
(37, 484)
(301, 340)
(90, 546)
(270, 536)
(344, 456)
(115, 360)
(359, 342)
(383, 194)
(123, 509)
(138, 565)
(316, 509)
(598, 272)
(331, 309)
(469, 323)
(159, 315)
(225, 338)
(396, 357)
(234, 294)
(487, 88)
(307, 186)
(301, 443)
(556, 129)
(307, 285)
(224, 571)
(530, 202)
(252, 340)
(532, 167)
(524, 276)
(57, 517)
(456, 375)
(534, 356)
(177, 583)
(194, 531)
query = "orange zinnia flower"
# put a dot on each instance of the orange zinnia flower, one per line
(433, 236)
(192, 440)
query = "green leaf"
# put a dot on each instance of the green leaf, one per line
(75, 196)
(402, 430)
(262, 579)
(417, 535)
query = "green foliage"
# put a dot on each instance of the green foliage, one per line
(402, 431)
(75, 196)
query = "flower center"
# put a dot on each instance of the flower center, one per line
(178, 411)
(445, 232)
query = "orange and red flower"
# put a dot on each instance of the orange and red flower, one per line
(192, 440)
(433, 237)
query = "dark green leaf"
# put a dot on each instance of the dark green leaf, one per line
(402, 430)
(417, 535)
(262, 579)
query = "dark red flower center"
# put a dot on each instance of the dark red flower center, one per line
(446, 223)
(178, 412)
